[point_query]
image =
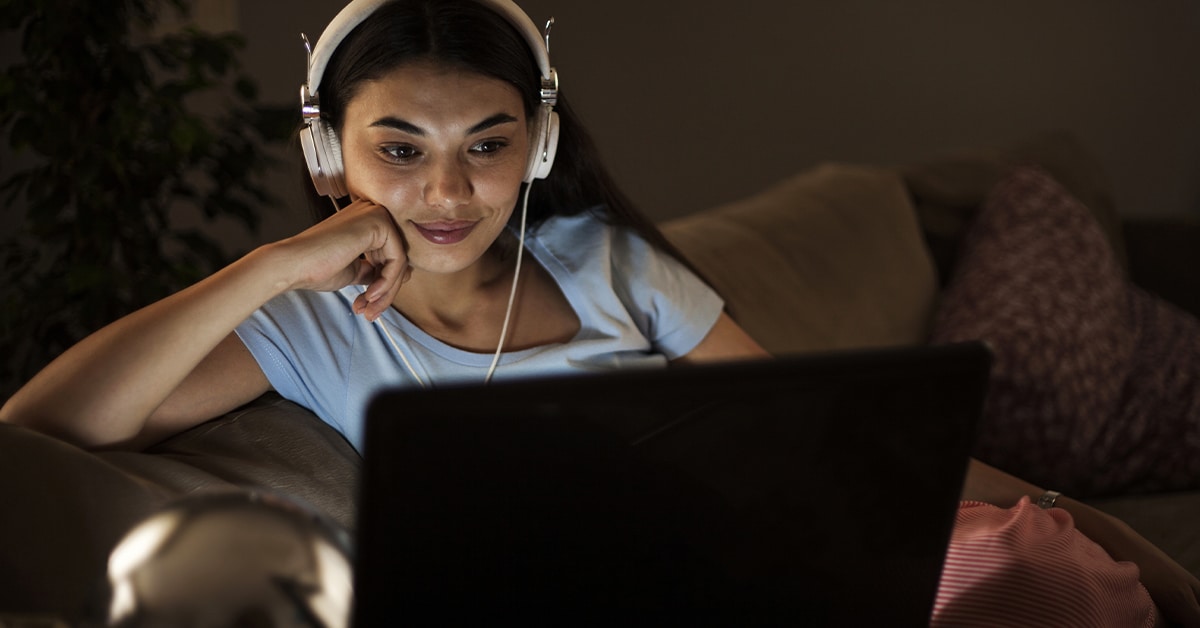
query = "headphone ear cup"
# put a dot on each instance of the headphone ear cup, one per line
(333, 156)
(323, 154)
(544, 144)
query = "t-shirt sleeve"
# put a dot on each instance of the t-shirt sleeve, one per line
(673, 307)
(292, 326)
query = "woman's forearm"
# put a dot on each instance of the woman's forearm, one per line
(103, 389)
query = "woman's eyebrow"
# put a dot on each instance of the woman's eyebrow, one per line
(393, 122)
(491, 121)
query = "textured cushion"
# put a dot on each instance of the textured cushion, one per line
(1096, 385)
(831, 258)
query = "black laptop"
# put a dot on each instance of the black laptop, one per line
(807, 490)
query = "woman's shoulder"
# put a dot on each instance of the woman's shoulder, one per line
(588, 235)
(580, 225)
(592, 250)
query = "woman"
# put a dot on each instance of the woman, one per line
(429, 123)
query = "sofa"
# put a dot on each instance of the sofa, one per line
(839, 256)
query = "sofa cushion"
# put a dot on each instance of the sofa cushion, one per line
(831, 258)
(1096, 383)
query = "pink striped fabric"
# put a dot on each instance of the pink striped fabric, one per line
(1026, 566)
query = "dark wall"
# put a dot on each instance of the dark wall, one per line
(697, 103)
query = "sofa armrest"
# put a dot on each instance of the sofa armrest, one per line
(65, 508)
(1162, 518)
(270, 444)
(1164, 255)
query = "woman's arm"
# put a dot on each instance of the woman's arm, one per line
(228, 377)
(175, 363)
(101, 391)
(725, 341)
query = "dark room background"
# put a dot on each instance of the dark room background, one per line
(701, 102)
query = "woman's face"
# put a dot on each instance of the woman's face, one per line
(444, 150)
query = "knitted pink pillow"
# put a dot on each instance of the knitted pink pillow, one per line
(1096, 384)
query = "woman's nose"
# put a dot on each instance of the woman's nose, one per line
(447, 185)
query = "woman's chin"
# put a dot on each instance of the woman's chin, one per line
(442, 263)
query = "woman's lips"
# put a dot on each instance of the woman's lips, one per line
(445, 232)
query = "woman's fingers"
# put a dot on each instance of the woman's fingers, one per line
(389, 262)
(364, 275)
(382, 288)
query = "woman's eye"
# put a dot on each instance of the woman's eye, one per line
(489, 147)
(400, 152)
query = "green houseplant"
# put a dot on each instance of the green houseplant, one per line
(120, 132)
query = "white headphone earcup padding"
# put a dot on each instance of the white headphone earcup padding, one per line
(545, 146)
(332, 160)
(323, 154)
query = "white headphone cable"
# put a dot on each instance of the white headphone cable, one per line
(512, 294)
(403, 358)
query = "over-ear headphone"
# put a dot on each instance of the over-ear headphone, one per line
(323, 152)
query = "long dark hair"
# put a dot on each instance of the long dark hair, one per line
(468, 35)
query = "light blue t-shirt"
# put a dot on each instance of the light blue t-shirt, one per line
(637, 307)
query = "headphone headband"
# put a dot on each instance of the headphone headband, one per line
(359, 10)
(322, 150)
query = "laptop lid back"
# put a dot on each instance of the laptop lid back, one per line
(815, 489)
